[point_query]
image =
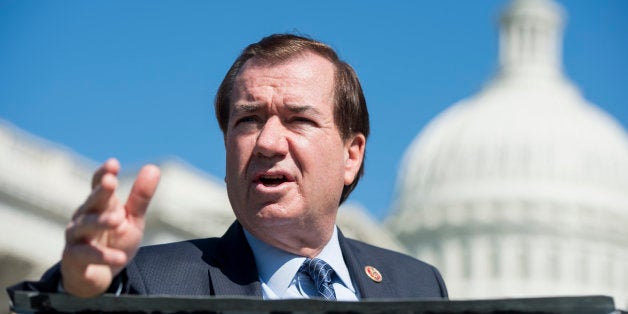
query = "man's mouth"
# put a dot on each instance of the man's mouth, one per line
(272, 180)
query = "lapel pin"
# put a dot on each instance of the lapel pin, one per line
(373, 273)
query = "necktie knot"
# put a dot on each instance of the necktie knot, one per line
(321, 274)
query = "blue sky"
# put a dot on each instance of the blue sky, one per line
(136, 79)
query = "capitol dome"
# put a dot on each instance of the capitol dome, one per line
(521, 189)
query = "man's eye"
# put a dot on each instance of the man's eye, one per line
(247, 119)
(302, 120)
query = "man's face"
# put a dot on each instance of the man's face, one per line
(286, 161)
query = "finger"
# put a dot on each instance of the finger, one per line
(142, 191)
(85, 254)
(91, 226)
(112, 166)
(101, 198)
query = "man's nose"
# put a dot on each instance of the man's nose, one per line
(271, 141)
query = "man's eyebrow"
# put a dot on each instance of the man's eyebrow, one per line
(245, 108)
(302, 108)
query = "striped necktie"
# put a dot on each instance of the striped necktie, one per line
(321, 273)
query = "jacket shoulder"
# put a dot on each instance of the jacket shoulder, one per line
(379, 253)
(179, 268)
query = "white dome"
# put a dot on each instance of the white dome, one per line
(518, 140)
(521, 189)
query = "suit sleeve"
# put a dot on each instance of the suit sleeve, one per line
(441, 282)
(50, 282)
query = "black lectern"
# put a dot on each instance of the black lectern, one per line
(32, 302)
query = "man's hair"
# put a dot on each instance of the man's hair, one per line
(350, 113)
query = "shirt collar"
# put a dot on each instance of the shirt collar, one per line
(277, 268)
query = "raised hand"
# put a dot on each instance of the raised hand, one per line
(104, 233)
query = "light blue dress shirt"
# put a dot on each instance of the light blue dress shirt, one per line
(278, 271)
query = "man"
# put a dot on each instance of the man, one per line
(295, 125)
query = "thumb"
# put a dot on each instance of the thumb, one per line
(142, 191)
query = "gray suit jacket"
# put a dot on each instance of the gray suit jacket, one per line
(225, 266)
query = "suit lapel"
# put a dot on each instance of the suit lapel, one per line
(232, 270)
(357, 261)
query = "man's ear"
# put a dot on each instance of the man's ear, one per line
(354, 156)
